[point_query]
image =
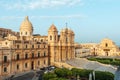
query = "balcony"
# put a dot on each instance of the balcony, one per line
(5, 62)
(30, 58)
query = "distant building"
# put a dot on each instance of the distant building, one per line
(4, 32)
(86, 49)
(28, 51)
(106, 48)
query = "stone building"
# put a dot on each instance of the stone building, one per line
(28, 51)
(107, 48)
(61, 47)
(86, 49)
(4, 32)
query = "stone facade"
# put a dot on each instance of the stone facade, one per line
(61, 47)
(30, 51)
(107, 48)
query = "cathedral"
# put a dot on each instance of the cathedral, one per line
(27, 51)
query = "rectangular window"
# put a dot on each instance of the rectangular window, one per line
(25, 65)
(32, 46)
(18, 57)
(18, 46)
(26, 46)
(17, 66)
(38, 54)
(5, 69)
(32, 55)
(5, 58)
(44, 54)
(38, 62)
(26, 56)
(44, 62)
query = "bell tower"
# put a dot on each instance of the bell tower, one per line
(52, 41)
(52, 35)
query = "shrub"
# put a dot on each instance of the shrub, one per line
(63, 72)
(106, 61)
(99, 75)
(49, 76)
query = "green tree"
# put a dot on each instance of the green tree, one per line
(49, 76)
(63, 72)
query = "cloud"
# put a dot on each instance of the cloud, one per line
(61, 17)
(36, 4)
(73, 16)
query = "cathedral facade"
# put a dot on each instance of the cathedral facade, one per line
(107, 48)
(28, 51)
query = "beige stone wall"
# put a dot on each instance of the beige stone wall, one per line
(61, 47)
(12, 63)
(31, 52)
(107, 48)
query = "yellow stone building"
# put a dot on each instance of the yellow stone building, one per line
(31, 52)
(107, 48)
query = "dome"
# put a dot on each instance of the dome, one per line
(26, 25)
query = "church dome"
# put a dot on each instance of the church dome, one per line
(26, 25)
(52, 28)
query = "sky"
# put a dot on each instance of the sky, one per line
(91, 20)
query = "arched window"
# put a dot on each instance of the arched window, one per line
(50, 37)
(18, 57)
(106, 45)
(32, 55)
(44, 54)
(38, 54)
(41, 40)
(32, 46)
(26, 56)
(5, 69)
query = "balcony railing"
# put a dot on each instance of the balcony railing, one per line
(30, 58)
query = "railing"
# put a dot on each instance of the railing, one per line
(5, 62)
(30, 58)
